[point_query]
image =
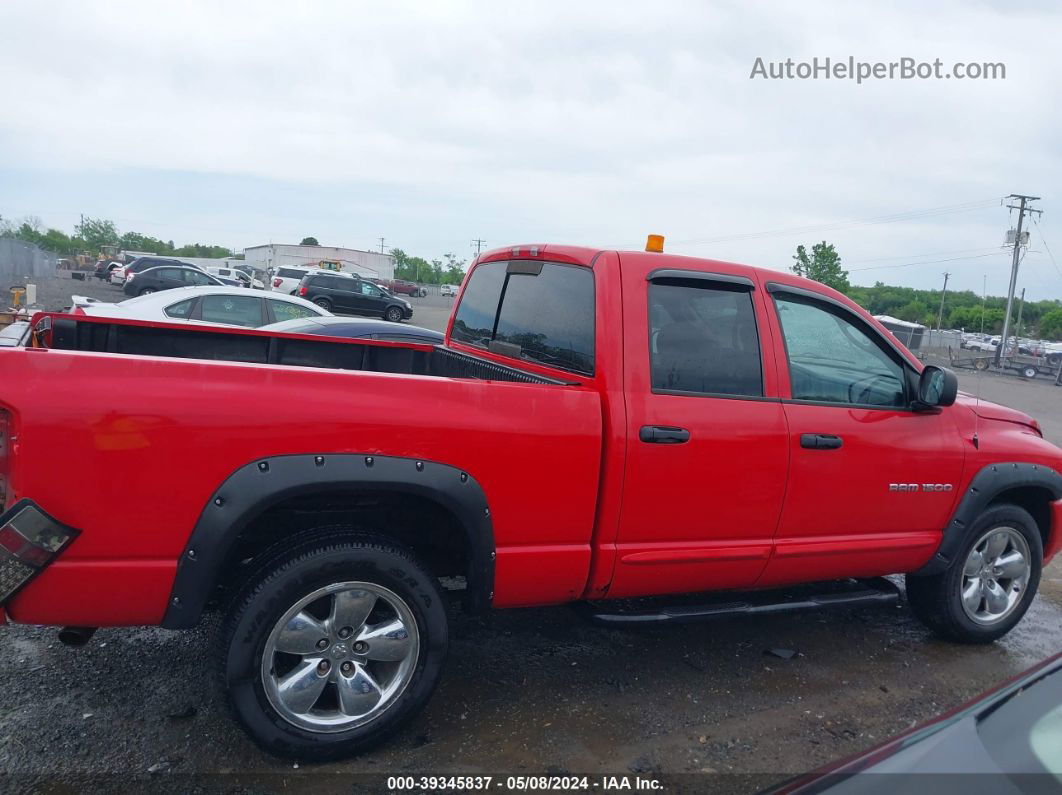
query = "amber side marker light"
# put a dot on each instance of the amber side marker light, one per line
(29, 540)
(655, 243)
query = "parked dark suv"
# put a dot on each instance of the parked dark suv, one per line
(351, 294)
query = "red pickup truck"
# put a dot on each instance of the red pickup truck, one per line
(598, 426)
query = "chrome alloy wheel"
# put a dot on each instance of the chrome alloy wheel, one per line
(340, 656)
(995, 575)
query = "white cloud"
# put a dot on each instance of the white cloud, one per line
(586, 122)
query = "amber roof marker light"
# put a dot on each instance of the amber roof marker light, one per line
(655, 243)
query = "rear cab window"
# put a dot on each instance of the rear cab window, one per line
(541, 312)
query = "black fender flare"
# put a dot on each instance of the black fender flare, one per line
(985, 486)
(259, 485)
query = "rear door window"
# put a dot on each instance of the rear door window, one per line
(290, 273)
(239, 310)
(539, 311)
(703, 338)
(285, 310)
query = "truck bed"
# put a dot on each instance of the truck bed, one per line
(114, 416)
(109, 335)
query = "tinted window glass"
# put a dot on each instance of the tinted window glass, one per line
(834, 360)
(290, 273)
(283, 310)
(238, 310)
(168, 273)
(479, 304)
(550, 316)
(182, 309)
(702, 338)
(196, 277)
(367, 288)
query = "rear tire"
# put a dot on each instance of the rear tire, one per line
(994, 603)
(324, 303)
(393, 314)
(383, 637)
(147, 291)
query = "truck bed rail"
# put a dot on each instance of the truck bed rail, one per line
(140, 338)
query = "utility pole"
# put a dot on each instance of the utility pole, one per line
(940, 314)
(1022, 208)
(382, 245)
(1017, 326)
(478, 243)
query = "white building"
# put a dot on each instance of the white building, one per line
(364, 263)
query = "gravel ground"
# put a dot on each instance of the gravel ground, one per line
(524, 691)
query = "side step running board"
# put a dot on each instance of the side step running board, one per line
(863, 593)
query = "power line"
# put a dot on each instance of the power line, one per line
(1047, 248)
(926, 254)
(908, 215)
(923, 262)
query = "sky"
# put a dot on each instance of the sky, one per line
(433, 124)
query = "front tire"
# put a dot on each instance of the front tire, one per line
(334, 646)
(393, 314)
(989, 585)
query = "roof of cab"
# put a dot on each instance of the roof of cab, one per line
(649, 261)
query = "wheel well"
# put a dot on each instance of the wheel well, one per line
(424, 526)
(1034, 499)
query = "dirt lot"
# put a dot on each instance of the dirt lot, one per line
(529, 691)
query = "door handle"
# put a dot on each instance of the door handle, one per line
(820, 441)
(663, 434)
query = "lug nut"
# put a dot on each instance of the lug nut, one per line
(322, 667)
(322, 643)
(361, 647)
(346, 668)
(346, 632)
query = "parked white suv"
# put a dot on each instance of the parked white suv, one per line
(286, 278)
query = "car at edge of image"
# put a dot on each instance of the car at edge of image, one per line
(224, 305)
(448, 290)
(358, 328)
(996, 743)
(354, 295)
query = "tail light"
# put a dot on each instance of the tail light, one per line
(29, 540)
(304, 290)
(276, 282)
(129, 276)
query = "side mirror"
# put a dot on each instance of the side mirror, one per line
(937, 386)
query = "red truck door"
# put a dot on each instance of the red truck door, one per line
(706, 442)
(871, 482)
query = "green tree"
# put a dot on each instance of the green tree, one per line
(1051, 324)
(824, 265)
(454, 269)
(309, 241)
(97, 232)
